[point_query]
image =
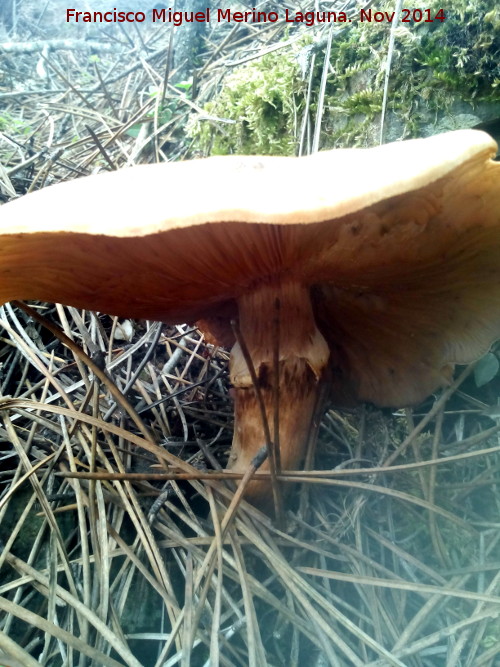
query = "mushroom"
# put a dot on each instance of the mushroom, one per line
(378, 269)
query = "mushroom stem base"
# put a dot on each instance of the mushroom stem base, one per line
(289, 356)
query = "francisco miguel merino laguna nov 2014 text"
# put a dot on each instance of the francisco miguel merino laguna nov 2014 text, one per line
(229, 16)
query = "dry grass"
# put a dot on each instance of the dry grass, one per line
(390, 554)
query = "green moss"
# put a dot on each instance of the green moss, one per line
(444, 75)
(439, 70)
(365, 101)
(260, 100)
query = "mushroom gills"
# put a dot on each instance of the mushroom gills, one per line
(275, 317)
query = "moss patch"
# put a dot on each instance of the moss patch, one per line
(444, 75)
(262, 100)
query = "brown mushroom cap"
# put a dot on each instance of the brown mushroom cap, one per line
(399, 244)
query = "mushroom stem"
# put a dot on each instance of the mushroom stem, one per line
(302, 357)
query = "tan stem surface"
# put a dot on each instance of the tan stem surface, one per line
(303, 355)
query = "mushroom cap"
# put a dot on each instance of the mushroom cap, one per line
(399, 244)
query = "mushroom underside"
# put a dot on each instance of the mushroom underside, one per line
(380, 293)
